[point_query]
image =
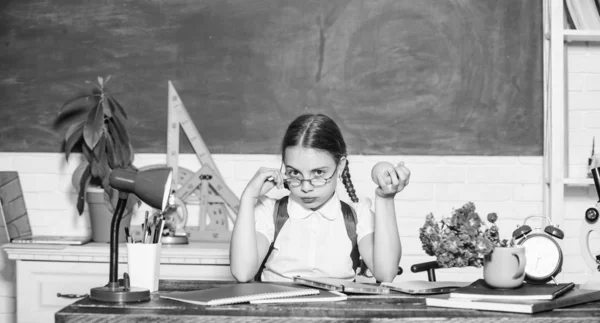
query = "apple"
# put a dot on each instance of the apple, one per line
(384, 169)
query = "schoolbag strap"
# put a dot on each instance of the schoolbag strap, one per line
(280, 216)
(350, 221)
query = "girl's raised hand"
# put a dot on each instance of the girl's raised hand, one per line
(390, 179)
(263, 181)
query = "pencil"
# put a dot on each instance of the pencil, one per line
(162, 227)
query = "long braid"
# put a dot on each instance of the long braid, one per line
(348, 183)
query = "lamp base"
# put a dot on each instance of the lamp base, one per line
(119, 294)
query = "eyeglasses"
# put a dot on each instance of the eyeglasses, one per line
(316, 181)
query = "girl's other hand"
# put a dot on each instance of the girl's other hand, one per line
(390, 179)
(263, 181)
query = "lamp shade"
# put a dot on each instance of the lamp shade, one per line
(152, 186)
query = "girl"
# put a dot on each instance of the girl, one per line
(313, 241)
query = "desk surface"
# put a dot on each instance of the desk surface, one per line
(366, 308)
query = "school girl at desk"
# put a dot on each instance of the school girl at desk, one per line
(311, 232)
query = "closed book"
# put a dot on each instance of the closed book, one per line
(481, 290)
(239, 293)
(341, 285)
(322, 296)
(572, 297)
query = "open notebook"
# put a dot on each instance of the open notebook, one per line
(239, 293)
(15, 219)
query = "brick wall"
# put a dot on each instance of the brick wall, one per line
(583, 124)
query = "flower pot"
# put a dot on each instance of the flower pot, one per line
(101, 216)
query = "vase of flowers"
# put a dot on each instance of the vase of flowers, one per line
(461, 239)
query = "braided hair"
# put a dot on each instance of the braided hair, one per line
(319, 131)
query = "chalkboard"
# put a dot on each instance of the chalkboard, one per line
(426, 77)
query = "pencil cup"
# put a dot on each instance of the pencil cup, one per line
(143, 261)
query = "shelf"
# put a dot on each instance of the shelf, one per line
(572, 35)
(578, 181)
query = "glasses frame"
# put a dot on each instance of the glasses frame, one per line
(327, 180)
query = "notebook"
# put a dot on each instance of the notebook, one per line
(239, 293)
(572, 297)
(341, 285)
(322, 296)
(423, 287)
(480, 290)
(14, 215)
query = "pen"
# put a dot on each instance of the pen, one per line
(147, 233)
(159, 230)
(128, 236)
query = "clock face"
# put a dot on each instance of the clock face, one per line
(543, 256)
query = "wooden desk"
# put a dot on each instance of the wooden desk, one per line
(393, 308)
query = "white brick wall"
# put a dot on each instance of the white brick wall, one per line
(583, 120)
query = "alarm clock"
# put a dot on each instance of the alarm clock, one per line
(544, 257)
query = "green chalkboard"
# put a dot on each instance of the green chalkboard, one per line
(426, 77)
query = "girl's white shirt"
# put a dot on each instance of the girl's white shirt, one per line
(311, 243)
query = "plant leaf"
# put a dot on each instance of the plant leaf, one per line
(120, 130)
(74, 114)
(121, 140)
(72, 137)
(92, 130)
(108, 112)
(69, 103)
(116, 142)
(106, 169)
(113, 161)
(85, 177)
(88, 153)
(117, 106)
(77, 173)
(100, 166)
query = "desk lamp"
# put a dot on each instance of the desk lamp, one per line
(152, 186)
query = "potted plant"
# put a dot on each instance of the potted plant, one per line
(97, 128)
(462, 239)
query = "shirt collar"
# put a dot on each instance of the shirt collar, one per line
(330, 210)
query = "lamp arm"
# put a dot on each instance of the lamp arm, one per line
(114, 237)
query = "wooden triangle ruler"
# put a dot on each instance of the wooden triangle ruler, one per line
(214, 193)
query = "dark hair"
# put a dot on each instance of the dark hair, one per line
(319, 131)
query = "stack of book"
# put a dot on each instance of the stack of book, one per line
(528, 298)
